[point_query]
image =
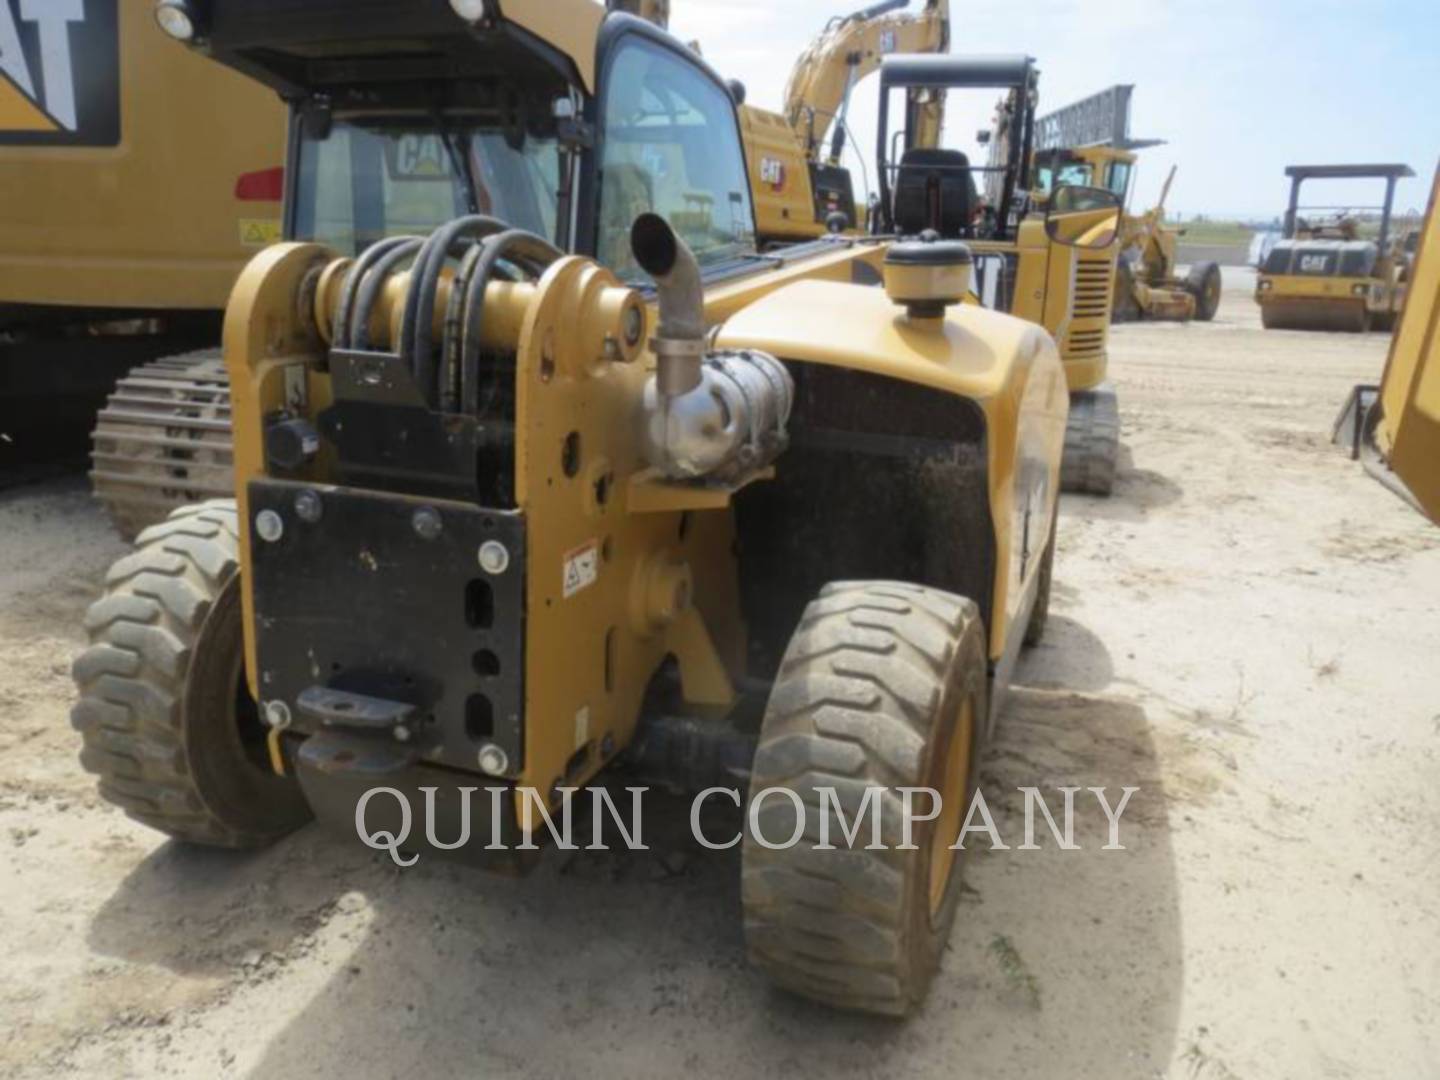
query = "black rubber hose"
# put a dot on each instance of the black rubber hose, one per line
(531, 254)
(450, 342)
(356, 274)
(371, 287)
(416, 336)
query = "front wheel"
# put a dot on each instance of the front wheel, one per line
(883, 686)
(168, 723)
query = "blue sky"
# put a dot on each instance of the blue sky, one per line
(1238, 88)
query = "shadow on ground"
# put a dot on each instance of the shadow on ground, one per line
(1137, 494)
(1062, 962)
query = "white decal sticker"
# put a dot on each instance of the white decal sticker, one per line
(582, 567)
(582, 726)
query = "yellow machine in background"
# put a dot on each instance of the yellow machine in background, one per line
(801, 190)
(124, 220)
(1324, 275)
(1089, 143)
(1020, 268)
(1395, 427)
(570, 475)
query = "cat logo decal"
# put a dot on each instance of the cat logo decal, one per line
(59, 73)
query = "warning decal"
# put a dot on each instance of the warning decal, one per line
(582, 567)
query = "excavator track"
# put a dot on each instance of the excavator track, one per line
(163, 440)
(1092, 442)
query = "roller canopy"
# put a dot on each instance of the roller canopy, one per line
(960, 72)
(1347, 172)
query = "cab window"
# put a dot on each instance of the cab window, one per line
(1075, 173)
(670, 146)
(368, 178)
(1119, 178)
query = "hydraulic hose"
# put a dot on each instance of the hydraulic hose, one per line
(358, 269)
(371, 286)
(523, 249)
(416, 333)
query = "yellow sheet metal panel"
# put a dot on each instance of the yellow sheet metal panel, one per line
(570, 26)
(1409, 429)
(121, 158)
(779, 177)
(1010, 367)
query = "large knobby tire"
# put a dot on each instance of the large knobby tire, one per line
(883, 685)
(1203, 283)
(168, 723)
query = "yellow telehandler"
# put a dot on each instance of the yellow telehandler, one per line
(542, 468)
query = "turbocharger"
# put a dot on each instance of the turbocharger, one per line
(708, 415)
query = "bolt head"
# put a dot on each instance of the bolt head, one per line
(308, 507)
(402, 733)
(277, 715)
(494, 557)
(426, 523)
(493, 760)
(269, 526)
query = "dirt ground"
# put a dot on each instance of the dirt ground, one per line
(1247, 631)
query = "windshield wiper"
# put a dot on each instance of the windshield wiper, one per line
(457, 148)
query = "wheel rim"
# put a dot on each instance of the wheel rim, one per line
(949, 776)
(245, 720)
(1212, 293)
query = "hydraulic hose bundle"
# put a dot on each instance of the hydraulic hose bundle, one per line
(483, 249)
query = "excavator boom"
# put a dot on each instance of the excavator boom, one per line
(845, 52)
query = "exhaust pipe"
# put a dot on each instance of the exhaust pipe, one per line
(708, 416)
(679, 341)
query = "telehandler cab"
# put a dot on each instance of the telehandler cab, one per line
(541, 468)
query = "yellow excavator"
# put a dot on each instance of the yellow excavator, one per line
(123, 225)
(1089, 143)
(800, 188)
(1394, 428)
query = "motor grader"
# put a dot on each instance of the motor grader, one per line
(542, 470)
(1020, 267)
(1088, 142)
(1147, 284)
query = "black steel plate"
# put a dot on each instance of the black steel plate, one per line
(359, 601)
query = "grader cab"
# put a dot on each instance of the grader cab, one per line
(541, 471)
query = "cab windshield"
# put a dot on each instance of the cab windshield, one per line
(1053, 175)
(364, 181)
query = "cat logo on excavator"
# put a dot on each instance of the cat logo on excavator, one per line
(59, 73)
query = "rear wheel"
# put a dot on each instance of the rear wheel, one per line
(167, 720)
(1203, 283)
(884, 685)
